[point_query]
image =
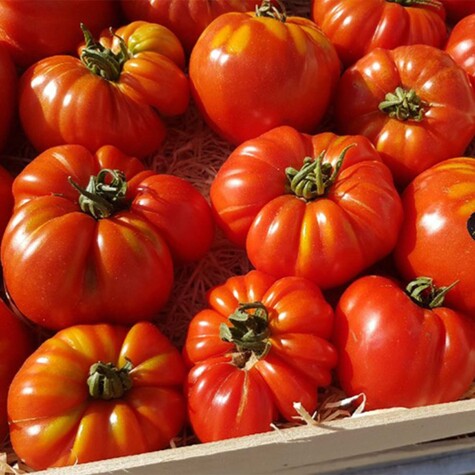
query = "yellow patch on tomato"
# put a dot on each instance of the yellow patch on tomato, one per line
(299, 38)
(239, 40)
(221, 37)
(275, 27)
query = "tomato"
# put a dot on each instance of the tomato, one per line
(251, 72)
(8, 93)
(93, 235)
(356, 27)
(93, 392)
(186, 18)
(16, 344)
(399, 351)
(438, 232)
(414, 103)
(327, 230)
(33, 30)
(461, 45)
(260, 346)
(458, 9)
(115, 94)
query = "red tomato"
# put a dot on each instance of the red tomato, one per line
(186, 18)
(461, 45)
(399, 352)
(8, 94)
(252, 72)
(438, 232)
(457, 9)
(111, 96)
(414, 103)
(16, 344)
(33, 30)
(356, 27)
(260, 347)
(103, 253)
(93, 392)
(326, 230)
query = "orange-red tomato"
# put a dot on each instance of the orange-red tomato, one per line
(93, 392)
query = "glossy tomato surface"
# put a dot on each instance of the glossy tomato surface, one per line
(32, 30)
(414, 103)
(288, 225)
(93, 392)
(116, 101)
(250, 73)
(437, 236)
(398, 353)
(356, 27)
(274, 353)
(69, 259)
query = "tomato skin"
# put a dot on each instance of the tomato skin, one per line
(33, 30)
(247, 400)
(461, 45)
(458, 9)
(55, 422)
(356, 27)
(62, 101)
(250, 74)
(186, 18)
(448, 120)
(398, 353)
(62, 266)
(316, 239)
(435, 238)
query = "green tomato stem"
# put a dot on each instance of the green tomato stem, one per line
(403, 104)
(107, 382)
(424, 293)
(267, 9)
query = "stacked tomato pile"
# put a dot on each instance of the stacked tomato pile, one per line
(350, 187)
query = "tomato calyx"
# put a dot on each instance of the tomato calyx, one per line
(248, 331)
(415, 3)
(403, 104)
(268, 9)
(424, 293)
(315, 176)
(103, 196)
(103, 61)
(106, 381)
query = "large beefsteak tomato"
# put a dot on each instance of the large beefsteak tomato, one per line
(93, 392)
(356, 27)
(92, 237)
(253, 71)
(322, 207)
(400, 350)
(261, 346)
(414, 103)
(438, 232)
(33, 30)
(115, 94)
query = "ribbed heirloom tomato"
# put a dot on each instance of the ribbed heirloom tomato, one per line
(414, 103)
(323, 207)
(116, 94)
(253, 71)
(356, 27)
(92, 237)
(261, 346)
(93, 392)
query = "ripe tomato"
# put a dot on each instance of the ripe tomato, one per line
(100, 250)
(356, 27)
(328, 223)
(461, 45)
(251, 72)
(261, 346)
(399, 352)
(186, 18)
(414, 103)
(33, 30)
(93, 392)
(458, 9)
(114, 95)
(8, 94)
(438, 232)
(16, 344)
